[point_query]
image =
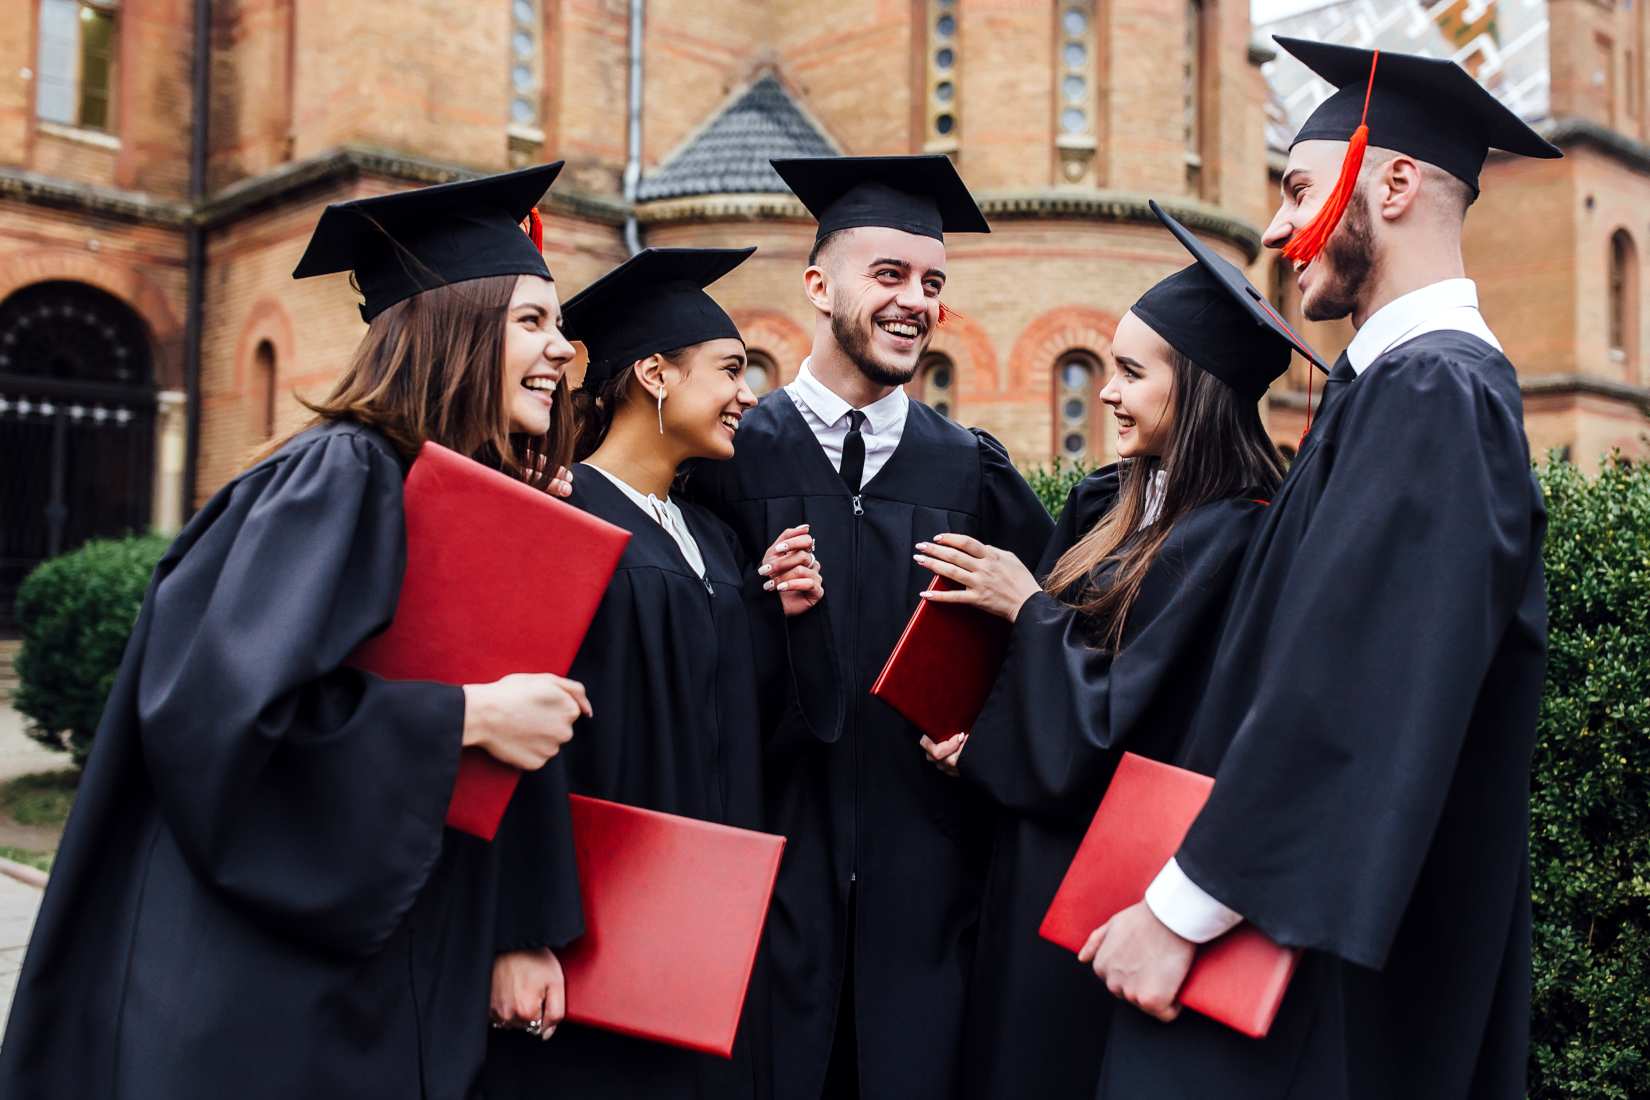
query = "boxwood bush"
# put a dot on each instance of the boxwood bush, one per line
(75, 613)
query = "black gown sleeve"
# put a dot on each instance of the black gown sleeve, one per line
(311, 794)
(798, 674)
(1396, 596)
(1062, 709)
(1012, 518)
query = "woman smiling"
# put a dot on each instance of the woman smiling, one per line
(685, 662)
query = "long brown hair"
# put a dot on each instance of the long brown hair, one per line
(431, 368)
(1217, 449)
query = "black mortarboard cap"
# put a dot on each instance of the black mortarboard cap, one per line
(654, 301)
(1216, 318)
(916, 194)
(411, 241)
(1429, 108)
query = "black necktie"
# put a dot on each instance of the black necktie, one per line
(853, 452)
(1334, 385)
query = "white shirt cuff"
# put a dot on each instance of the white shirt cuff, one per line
(1186, 909)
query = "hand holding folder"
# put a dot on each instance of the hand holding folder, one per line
(464, 616)
(1238, 979)
(944, 666)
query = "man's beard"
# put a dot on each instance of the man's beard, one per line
(1351, 267)
(855, 342)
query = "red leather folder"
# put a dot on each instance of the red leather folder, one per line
(942, 669)
(673, 914)
(500, 578)
(1239, 979)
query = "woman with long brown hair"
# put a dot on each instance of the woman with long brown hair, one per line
(256, 896)
(686, 661)
(1111, 650)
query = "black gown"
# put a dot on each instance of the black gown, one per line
(1370, 732)
(1044, 748)
(867, 810)
(681, 672)
(255, 895)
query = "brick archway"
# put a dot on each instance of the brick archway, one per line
(967, 344)
(121, 281)
(1050, 336)
(775, 333)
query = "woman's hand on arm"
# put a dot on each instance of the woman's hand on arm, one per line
(529, 992)
(988, 578)
(524, 719)
(792, 570)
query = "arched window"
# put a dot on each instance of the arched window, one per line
(1077, 378)
(76, 60)
(263, 381)
(943, 112)
(937, 384)
(1623, 303)
(761, 375)
(526, 126)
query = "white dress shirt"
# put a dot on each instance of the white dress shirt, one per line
(827, 415)
(667, 514)
(1449, 305)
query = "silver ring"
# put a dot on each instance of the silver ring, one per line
(533, 1027)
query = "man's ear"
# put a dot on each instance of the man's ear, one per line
(1399, 186)
(816, 283)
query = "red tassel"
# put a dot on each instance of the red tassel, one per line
(534, 225)
(946, 313)
(1310, 240)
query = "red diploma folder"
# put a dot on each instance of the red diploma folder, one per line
(944, 665)
(500, 578)
(1238, 979)
(673, 913)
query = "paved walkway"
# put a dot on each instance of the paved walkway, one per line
(21, 754)
(18, 905)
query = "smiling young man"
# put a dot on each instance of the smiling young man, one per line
(872, 928)
(1371, 728)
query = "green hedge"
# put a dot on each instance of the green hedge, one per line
(1590, 806)
(1051, 483)
(75, 612)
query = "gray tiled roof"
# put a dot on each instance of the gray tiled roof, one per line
(730, 156)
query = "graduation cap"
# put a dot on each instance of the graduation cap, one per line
(411, 241)
(652, 302)
(1216, 318)
(1427, 108)
(916, 194)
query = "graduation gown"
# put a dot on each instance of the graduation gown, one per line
(1044, 748)
(255, 895)
(1371, 732)
(867, 810)
(680, 672)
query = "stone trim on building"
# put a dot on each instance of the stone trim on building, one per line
(1100, 206)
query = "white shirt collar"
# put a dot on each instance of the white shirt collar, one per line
(1449, 303)
(884, 414)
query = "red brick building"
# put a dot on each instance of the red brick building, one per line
(146, 246)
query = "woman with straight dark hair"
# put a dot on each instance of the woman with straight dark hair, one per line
(256, 896)
(1111, 651)
(686, 662)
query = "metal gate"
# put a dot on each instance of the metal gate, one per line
(77, 427)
